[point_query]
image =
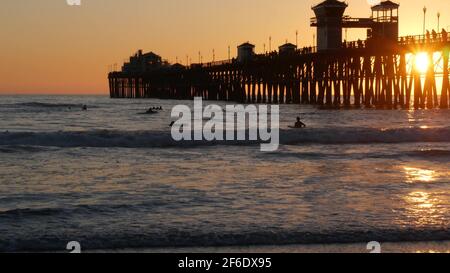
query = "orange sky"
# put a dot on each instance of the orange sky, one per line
(49, 47)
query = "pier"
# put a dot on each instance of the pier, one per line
(380, 71)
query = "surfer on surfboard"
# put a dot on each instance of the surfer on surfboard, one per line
(151, 111)
(299, 124)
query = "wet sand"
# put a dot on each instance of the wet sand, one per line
(405, 247)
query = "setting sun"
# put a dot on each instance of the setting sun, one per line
(422, 62)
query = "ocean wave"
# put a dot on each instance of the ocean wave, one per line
(48, 105)
(431, 153)
(182, 238)
(78, 209)
(23, 149)
(366, 135)
(30, 107)
(158, 139)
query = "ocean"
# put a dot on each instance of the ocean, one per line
(112, 178)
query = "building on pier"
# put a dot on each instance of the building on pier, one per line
(330, 21)
(384, 21)
(246, 51)
(287, 48)
(142, 62)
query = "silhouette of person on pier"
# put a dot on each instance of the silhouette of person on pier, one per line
(360, 44)
(299, 124)
(428, 36)
(434, 35)
(84, 108)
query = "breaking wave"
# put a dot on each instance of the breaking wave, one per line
(158, 139)
(44, 106)
(48, 105)
(432, 153)
(182, 238)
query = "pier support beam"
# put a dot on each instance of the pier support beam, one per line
(445, 94)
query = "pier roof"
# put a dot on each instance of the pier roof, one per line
(151, 54)
(331, 3)
(288, 45)
(247, 44)
(385, 5)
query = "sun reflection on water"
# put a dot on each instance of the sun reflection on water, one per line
(419, 175)
(421, 200)
(432, 252)
(425, 209)
(424, 206)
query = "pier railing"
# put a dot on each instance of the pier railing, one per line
(424, 39)
(411, 40)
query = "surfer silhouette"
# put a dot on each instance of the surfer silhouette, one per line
(299, 123)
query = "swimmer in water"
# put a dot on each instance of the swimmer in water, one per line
(299, 123)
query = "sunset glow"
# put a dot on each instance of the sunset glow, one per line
(55, 48)
(224, 127)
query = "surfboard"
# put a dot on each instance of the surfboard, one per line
(145, 113)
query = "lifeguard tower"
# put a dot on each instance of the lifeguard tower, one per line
(330, 21)
(385, 21)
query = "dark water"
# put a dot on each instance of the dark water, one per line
(110, 178)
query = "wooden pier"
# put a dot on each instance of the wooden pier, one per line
(361, 73)
(378, 72)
